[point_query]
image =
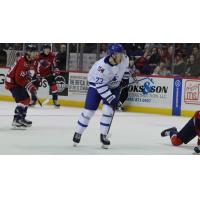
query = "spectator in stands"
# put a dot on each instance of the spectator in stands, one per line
(196, 53)
(166, 55)
(18, 46)
(152, 60)
(162, 70)
(73, 47)
(193, 68)
(152, 45)
(179, 65)
(61, 58)
(90, 48)
(103, 50)
(134, 49)
(179, 48)
(140, 63)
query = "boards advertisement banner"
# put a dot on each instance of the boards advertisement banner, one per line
(151, 92)
(78, 84)
(191, 94)
(179, 95)
(62, 84)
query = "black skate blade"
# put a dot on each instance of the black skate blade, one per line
(75, 144)
(104, 146)
(194, 153)
(29, 126)
(18, 128)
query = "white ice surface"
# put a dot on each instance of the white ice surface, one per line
(53, 129)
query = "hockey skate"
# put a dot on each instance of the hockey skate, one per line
(27, 123)
(197, 149)
(168, 131)
(76, 139)
(105, 142)
(55, 103)
(18, 124)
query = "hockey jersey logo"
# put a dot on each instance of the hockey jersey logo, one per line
(115, 81)
(26, 74)
(100, 69)
(44, 64)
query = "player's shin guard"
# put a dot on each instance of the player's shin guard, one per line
(54, 92)
(83, 120)
(33, 100)
(105, 124)
(106, 119)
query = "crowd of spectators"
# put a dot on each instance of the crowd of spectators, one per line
(163, 59)
(166, 59)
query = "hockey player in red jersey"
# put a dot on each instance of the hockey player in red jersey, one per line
(187, 133)
(46, 69)
(18, 82)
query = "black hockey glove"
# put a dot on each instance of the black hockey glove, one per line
(124, 83)
(113, 101)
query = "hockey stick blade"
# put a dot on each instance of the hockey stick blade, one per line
(45, 102)
(39, 102)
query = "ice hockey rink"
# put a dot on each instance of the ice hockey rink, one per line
(53, 129)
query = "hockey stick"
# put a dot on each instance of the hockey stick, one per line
(137, 81)
(38, 100)
(109, 134)
(46, 101)
(114, 109)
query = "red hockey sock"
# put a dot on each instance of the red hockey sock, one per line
(54, 89)
(25, 101)
(176, 141)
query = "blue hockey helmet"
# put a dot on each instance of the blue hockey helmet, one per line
(115, 48)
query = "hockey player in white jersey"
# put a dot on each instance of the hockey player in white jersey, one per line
(104, 80)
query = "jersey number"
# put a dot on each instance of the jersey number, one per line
(99, 80)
